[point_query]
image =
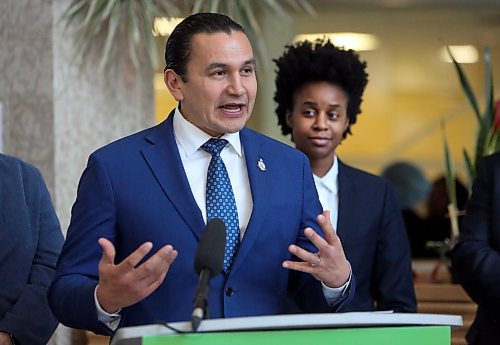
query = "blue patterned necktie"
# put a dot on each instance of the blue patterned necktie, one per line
(220, 199)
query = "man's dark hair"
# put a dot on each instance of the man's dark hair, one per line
(307, 62)
(178, 47)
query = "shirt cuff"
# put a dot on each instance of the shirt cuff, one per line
(332, 295)
(110, 320)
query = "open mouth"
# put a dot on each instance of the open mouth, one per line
(232, 108)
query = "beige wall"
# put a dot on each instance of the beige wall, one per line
(410, 88)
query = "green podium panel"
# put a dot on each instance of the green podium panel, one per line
(414, 335)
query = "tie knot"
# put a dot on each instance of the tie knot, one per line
(214, 146)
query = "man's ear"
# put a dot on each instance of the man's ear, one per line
(174, 82)
(289, 118)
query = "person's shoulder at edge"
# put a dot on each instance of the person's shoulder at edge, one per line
(493, 159)
(10, 165)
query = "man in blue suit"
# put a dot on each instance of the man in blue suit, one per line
(319, 89)
(142, 198)
(30, 242)
(476, 257)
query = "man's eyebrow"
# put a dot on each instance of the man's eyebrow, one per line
(250, 62)
(216, 65)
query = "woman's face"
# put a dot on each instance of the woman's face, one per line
(318, 119)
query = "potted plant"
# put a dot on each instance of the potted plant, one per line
(98, 22)
(487, 142)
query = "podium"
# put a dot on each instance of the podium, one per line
(344, 328)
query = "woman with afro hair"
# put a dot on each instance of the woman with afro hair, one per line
(319, 89)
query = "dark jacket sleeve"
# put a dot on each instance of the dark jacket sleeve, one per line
(31, 240)
(476, 257)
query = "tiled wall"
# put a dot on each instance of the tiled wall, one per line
(56, 111)
(26, 81)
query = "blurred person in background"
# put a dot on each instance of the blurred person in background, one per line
(412, 190)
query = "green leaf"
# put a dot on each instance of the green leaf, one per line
(133, 33)
(75, 9)
(470, 170)
(276, 7)
(214, 6)
(197, 6)
(308, 7)
(489, 110)
(90, 12)
(449, 171)
(114, 22)
(465, 86)
(482, 139)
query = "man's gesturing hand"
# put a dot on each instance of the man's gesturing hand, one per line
(329, 264)
(126, 283)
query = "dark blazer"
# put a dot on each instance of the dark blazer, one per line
(136, 190)
(476, 257)
(375, 242)
(30, 241)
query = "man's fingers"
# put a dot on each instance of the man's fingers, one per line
(327, 227)
(308, 257)
(299, 266)
(108, 250)
(133, 259)
(156, 265)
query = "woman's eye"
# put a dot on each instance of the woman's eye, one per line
(333, 116)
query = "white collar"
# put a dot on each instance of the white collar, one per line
(329, 181)
(191, 138)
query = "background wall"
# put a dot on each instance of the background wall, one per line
(410, 89)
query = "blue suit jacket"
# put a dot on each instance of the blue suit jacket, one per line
(30, 242)
(136, 190)
(476, 257)
(375, 242)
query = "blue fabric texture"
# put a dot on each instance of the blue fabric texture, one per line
(220, 199)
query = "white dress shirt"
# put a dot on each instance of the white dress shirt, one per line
(328, 191)
(189, 139)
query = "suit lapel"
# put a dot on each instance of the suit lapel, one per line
(162, 156)
(347, 198)
(259, 185)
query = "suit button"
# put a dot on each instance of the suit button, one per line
(229, 292)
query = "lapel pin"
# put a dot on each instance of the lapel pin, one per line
(261, 165)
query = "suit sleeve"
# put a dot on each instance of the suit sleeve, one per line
(393, 273)
(29, 319)
(309, 296)
(475, 260)
(71, 295)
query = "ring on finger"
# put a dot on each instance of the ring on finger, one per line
(318, 260)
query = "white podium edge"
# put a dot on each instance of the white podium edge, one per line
(133, 335)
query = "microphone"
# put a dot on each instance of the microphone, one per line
(208, 263)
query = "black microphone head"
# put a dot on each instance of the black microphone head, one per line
(210, 252)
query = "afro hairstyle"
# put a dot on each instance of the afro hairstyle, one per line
(319, 61)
